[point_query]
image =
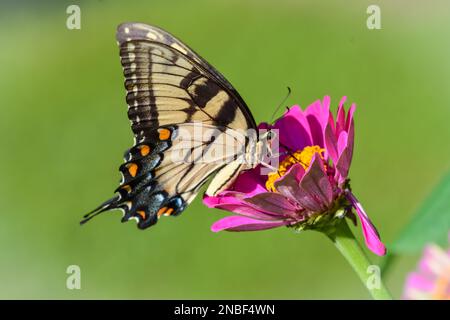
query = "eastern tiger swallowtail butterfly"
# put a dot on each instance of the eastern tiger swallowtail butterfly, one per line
(170, 91)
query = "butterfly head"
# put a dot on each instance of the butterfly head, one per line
(264, 148)
(270, 135)
(268, 140)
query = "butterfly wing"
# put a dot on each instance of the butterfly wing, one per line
(168, 83)
(170, 89)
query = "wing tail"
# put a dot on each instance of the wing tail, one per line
(105, 206)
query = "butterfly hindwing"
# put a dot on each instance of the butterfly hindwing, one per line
(170, 89)
(164, 171)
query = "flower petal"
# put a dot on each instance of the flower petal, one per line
(234, 204)
(349, 119)
(238, 223)
(293, 121)
(250, 182)
(316, 130)
(371, 235)
(345, 157)
(345, 153)
(289, 184)
(273, 203)
(417, 287)
(340, 117)
(317, 117)
(331, 143)
(342, 142)
(419, 282)
(434, 261)
(315, 182)
(326, 107)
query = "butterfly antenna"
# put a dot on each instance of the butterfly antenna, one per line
(279, 106)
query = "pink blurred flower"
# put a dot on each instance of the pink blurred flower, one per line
(431, 280)
(310, 189)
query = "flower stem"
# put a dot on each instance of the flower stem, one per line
(349, 247)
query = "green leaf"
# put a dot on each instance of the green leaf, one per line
(430, 224)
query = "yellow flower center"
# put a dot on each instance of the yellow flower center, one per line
(304, 157)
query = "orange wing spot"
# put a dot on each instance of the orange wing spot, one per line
(161, 211)
(164, 134)
(168, 212)
(141, 213)
(132, 169)
(145, 150)
(127, 188)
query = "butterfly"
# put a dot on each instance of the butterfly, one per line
(171, 91)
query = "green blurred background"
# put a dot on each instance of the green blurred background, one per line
(64, 128)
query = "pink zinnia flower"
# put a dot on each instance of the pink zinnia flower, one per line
(310, 189)
(431, 281)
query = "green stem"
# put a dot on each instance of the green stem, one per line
(346, 243)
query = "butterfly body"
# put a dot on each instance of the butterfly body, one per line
(182, 113)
